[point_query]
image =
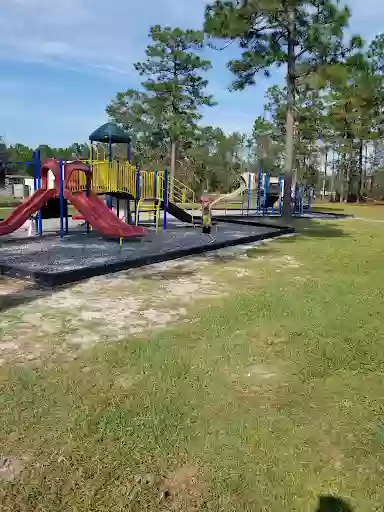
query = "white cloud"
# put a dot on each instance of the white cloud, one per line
(109, 37)
(105, 39)
(91, 33)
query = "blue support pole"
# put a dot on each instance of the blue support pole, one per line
(165, 197)
(39, 217)
(61, 200)
(259, 187)
(266, 190)
(249, 193)
(281, 191)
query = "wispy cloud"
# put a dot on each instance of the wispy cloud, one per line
(91, 33)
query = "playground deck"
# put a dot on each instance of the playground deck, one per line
(48, 261)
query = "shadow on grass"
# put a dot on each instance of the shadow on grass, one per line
(263, 250)
(332, 504)
(166, 274)
(326, 208)
(315, 229)
(28, 294)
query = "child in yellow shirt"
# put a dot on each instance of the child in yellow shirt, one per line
(206, 217)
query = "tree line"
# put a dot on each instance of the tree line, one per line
(323, 127)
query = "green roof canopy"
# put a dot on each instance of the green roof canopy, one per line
(110, 132)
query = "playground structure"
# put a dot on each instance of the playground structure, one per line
(80, 182)
(263, 196)
(94, 210)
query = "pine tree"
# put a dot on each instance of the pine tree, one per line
(174, 88)
(302, 35)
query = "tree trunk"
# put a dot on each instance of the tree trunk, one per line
(325, 187)
(290, 119)
(342, 175)
(333, 175)
(350, 169)
(361, 171)
(173, 168)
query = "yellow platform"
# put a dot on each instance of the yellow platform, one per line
(122, 177)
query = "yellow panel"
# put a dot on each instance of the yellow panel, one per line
(121, 177)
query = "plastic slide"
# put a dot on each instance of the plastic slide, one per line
(237, 192)
(23, 212)
(100, 217)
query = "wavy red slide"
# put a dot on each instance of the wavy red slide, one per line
(100, 217)
(23, 211)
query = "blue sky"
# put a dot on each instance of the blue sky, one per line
(62, 61)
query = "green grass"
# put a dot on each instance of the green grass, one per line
(270, 398)
(5, 211)
(9, 201)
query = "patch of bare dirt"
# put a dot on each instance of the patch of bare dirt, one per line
(10, 468)
(184, 491)
(110, 308)
(103, 309)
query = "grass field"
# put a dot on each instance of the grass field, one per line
(242, 381)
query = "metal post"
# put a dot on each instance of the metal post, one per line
(61, 200)
(87, 195)
(165, 197)
(128, 215)
(249, 193)
(155, 198)
(309, 200)
(39, 217)
(110, 151)
(138, 190)
(35, 174)
(281, 191)
(66, 220)
(259, 185)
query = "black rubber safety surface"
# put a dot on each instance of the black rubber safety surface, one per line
(48, 261)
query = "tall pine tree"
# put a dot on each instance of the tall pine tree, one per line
(302, 35)
(174, 89)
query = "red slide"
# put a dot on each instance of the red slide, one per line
(24, 210)
(100, 217)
